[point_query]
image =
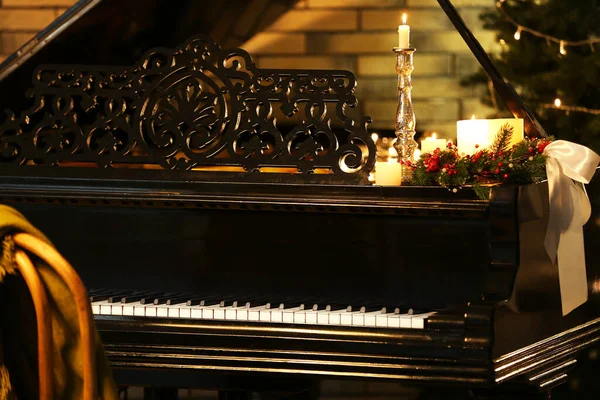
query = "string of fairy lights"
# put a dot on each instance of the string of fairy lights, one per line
(563, 44)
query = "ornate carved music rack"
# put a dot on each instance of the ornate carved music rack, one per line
(196, 107)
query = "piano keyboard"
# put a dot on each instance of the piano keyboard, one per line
(161, 305)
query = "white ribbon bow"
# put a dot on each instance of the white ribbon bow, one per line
(568, 167)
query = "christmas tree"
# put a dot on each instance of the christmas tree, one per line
(551, 55)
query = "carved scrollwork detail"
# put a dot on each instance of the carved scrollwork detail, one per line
(194, 106)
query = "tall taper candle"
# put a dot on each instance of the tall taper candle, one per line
(404, 34)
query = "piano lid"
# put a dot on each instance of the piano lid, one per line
(118, 32)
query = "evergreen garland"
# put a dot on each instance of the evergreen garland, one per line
(522, 164)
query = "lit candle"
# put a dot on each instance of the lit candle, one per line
(428, 145)
(388, 173)
(472, 135)
(482, 132)
(404, 34)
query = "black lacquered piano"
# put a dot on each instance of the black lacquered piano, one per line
(222, 217)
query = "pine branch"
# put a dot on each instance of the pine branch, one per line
(483, 192)
(503, 139)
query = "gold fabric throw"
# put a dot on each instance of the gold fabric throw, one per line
(18, 333)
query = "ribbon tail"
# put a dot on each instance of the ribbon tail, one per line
(571, 270)
(571, 255)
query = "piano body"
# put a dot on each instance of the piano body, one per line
(224, 250)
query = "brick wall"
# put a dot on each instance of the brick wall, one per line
(358, 35)
(20, 20)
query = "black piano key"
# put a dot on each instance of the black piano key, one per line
(116, 298)
(207, 300)
(94, 291)
(102, 296)
(164, 297)
(287, 304)
(137, 296)
(338, 307)
(180, 299)
(149, 299)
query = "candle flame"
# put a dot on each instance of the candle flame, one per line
(374, 137)
(557, 102)
(473, 116)
(404, 19)
(434, 135)
(392, 153)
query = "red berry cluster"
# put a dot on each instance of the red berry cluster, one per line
(542, 144)
(432, 161)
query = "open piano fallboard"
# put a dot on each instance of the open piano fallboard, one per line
(196, 272)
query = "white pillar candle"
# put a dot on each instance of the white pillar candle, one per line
(404, 34)
(388, 173)
(472, 135)
(428, 145)
(483, 132)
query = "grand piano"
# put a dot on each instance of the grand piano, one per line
(222, 218)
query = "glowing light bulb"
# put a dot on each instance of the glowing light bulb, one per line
(518, 34)
(557, 102)
(563, 49)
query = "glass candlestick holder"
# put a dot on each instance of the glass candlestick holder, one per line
(405, 116)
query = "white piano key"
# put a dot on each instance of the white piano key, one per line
(242, 314)
(311, 317)
(323, 317)
(335, 317)
(139, 310)
(185, 312)
(393, 320)
(116, 309)
(219, 313)
(196, 313)
(128, 309)
(231, 313)
(254, 312)
(105, 308)
(370, 318)
(162, 311)
(358, 319)
(264, 315)
(381, 320)
(277, 315)
(405, 320)
(347, 317)
(300, 317)
(96, 307)
(150, 310)
(208, 312)
(418, 320)
(167, 311)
